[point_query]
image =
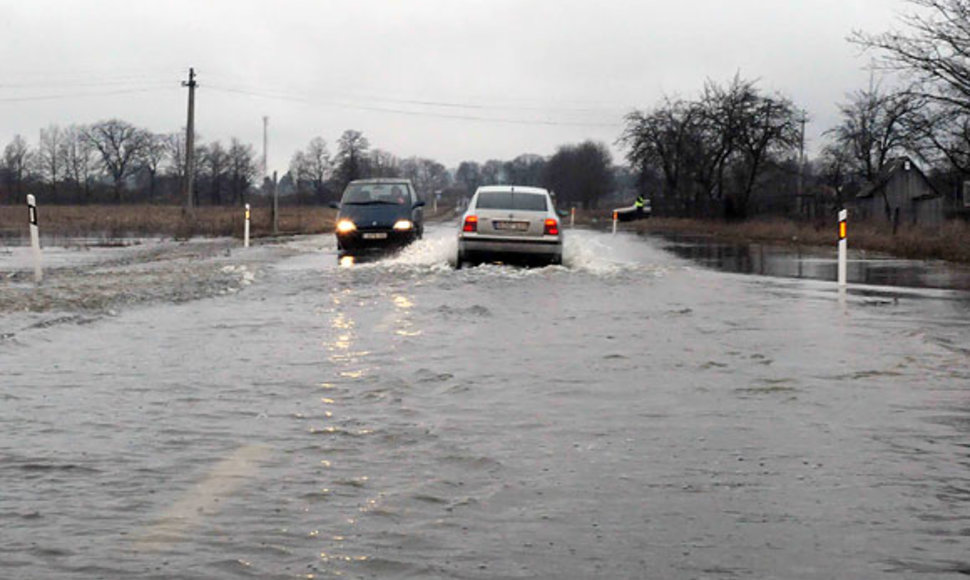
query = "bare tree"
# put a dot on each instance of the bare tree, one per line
(242, 169)
(175, 148)
(17, 160)
(384, 164)
(712, 152)
(154, 154)
(493, 172)
(49, 156)
(874, 127)
(313, 167)
(215, 161)
(469, 175)
(580, 174)
(934, 48)
(77, 154)
(120, 144)
(526, 169)
(665, 139)
(351, 157)
(767, 130)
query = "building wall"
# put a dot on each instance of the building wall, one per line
(900, 191)
(928, 212)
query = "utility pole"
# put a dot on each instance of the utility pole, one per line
(276, 206)
(265, 145)
(190, 145)
(801, 162)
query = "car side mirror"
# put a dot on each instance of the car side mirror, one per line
(334, 205)
(419, 203)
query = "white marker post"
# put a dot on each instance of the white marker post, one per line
(615, 217)
(34, 237)
(572, 217)
(246, 229)
(843, 247)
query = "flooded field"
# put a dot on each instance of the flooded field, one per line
(820, 264)
(268, 414)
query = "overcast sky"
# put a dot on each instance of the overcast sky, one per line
(446, 79)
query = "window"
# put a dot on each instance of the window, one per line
(511, 200)
(390, 193)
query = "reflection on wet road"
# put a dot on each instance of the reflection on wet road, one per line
(628, 415)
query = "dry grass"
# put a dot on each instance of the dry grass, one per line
(112, 221)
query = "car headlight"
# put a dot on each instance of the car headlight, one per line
(403, 225)
(345, 226)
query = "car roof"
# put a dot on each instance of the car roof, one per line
(380, 180)
(511, 188)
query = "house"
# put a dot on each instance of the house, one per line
(901, 193)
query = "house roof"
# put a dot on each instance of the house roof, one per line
(895, 166)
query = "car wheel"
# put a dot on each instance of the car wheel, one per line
(556, 260)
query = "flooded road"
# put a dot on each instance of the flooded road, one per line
(629, 415)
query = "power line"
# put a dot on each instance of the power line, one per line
(408, 112)
(76, 95)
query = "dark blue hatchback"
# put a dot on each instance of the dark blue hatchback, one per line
(378, 215)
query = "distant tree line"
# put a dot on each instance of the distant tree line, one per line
(580, 175)
(113, 161)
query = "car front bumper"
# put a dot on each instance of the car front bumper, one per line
(360, 241)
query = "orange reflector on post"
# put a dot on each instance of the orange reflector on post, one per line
(842, 230)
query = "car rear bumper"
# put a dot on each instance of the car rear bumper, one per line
(486, 246)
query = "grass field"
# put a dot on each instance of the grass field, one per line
(112, 221)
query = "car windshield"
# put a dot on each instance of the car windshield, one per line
(511, 200)
(364, 193)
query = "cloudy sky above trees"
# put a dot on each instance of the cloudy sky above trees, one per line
(445, 79)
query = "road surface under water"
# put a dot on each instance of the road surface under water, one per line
(629, 415)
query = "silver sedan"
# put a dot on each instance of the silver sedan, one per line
(510, 223)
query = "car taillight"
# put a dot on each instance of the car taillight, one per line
(552, 227)
(471, 224)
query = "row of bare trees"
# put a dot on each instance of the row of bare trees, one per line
(713, 152)
(581, 174)
(116, 161)
(317, 177)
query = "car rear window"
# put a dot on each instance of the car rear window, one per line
(511, 200)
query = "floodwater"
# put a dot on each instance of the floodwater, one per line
(629, 415)
(820, 264)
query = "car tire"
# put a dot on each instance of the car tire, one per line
(556, 260)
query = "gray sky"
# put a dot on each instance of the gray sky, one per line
(446, 79)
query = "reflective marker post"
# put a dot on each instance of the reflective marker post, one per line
(843, 246)
(246, 229)
(615, 217)
(572, 217)
(34, 237)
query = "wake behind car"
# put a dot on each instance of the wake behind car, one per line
(510, 223)
(378, 215)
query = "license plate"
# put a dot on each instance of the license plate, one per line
(375, 236)
(513, 226)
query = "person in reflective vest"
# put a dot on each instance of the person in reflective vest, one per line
(638, 204)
